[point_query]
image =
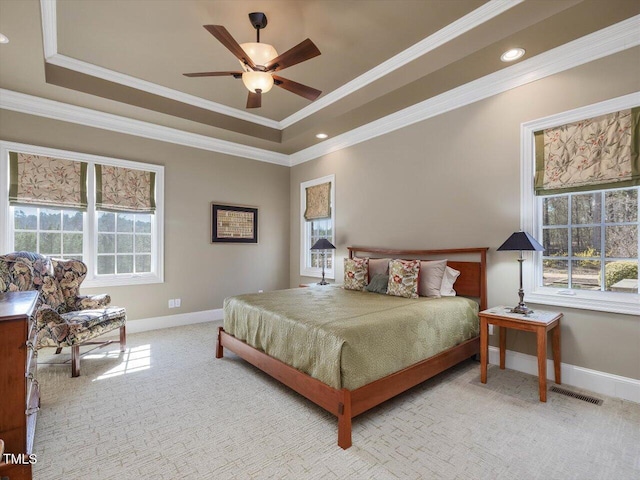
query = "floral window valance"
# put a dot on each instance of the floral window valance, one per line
(125, 189)
(318, 202)
(598, 152)
(47, 181)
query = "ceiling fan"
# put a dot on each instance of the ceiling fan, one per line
(260, 60)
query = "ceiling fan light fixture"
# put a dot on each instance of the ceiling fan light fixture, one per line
(257, 81)
(260, 53)
(4, 38)
(513, 54)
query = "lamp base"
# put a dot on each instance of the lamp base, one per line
(522, 308)
(322, 283)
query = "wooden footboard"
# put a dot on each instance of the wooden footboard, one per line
(346, 404)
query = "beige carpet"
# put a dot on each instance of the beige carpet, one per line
(168, 409)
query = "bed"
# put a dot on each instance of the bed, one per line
(349, 351)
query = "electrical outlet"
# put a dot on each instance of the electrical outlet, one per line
(260, 291)
(172, 303)
(178, 302)
(490, 329)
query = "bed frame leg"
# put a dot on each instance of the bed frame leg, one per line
(344, 420)
(219, 351)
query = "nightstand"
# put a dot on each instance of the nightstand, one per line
(540, 322)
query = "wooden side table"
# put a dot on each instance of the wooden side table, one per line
(539, 322)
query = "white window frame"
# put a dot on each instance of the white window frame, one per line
(90, 227)
(531, 218)
(305, 230)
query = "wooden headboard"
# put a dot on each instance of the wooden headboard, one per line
(472, 281)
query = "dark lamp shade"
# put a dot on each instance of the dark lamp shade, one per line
(323, 244)
(521, 241)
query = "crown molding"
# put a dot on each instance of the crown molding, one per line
(478, 16)
(42, 107)
(602, 43)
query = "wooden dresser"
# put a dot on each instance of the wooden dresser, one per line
(19, 393)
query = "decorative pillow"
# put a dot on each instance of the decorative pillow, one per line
(431, 274)
(378, 283)
(378, 266)
(403, 278)
(449, 278)
(356, 273)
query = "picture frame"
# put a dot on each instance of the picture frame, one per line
(233, 224)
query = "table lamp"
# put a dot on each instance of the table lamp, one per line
(521, 241)
(323, 244)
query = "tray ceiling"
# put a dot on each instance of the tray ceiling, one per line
(127, 57)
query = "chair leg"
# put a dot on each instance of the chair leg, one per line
(123, 338)
(75, 360)
(58, 350)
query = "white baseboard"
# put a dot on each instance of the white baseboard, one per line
(593, 380)
(178, 320)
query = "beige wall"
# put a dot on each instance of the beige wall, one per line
(198, 272)
(454, 181)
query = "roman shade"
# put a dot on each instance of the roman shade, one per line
(599, 152)
(318, 202)
(125, 189)
(47, 181)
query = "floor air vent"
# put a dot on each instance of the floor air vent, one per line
(579, 396)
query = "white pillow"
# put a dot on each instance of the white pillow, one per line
(431, 274)
(448, 279)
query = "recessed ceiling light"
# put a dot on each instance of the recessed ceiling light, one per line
(322, 136)
(511, 55)
(4, 38)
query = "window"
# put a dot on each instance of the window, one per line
(591, 237)
(312, 230)
(590, 241)
(54, 232)
(119, 248)
(318, 229)
(124, 243)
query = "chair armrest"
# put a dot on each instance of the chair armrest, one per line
(47, 316)
(89, 302)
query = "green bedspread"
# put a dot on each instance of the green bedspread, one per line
(347, 339)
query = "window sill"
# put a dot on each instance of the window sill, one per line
(626, 304)
(121, 280)
(317, 273)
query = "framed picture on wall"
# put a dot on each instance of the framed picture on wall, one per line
(233, 224)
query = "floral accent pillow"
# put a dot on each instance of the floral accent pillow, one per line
(356, 273)
(403, 278)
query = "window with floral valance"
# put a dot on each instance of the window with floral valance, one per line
(124, 189)
(47, 181)
(597, 152)
(318, 202)
(106, 212)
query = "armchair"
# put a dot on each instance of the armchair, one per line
(64, 318)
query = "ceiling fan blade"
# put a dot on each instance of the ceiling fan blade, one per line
(213, 74)
(300, 53)
(225, 38)
(297, 88)
(254, 100)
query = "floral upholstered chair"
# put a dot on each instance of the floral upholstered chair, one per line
(64, 318)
